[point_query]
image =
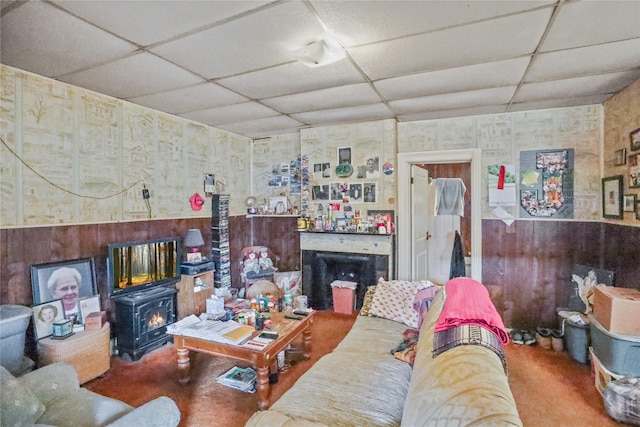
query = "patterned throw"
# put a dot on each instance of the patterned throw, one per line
(468, 335)
(406, 351)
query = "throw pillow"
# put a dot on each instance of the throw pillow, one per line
(18, 405)
(394, 299)
(366, 302)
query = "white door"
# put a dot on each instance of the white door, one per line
(441, 229)
(404, 228)
(419, 223)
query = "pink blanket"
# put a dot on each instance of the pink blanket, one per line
(468, 303)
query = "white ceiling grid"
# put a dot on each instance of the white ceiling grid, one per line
(227, 63)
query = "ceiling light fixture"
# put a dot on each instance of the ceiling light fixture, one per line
(319, 53)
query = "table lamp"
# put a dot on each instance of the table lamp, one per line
(193, 240)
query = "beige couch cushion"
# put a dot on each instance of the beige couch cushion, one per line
(358, 384)
(83, 408)
(468, 382)
(18, 405)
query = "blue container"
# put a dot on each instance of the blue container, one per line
(619, 353)
(576, 338)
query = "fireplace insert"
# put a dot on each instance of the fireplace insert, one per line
(141, 321)
(321, 268)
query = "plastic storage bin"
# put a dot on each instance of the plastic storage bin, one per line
(576, 339)
(617, 352)
(343, 297)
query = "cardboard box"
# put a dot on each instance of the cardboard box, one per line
(602, 376)
(617, 309)
(95, 321)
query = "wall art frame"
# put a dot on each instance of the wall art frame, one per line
(634, 171)
(634, 137)
(629, 203)
(612, 201)
(621, 157)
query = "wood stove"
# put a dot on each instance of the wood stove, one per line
(141, 321)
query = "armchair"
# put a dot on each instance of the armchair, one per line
(256, 263)
(52, 395)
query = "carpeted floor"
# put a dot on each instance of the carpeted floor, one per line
(550, 388)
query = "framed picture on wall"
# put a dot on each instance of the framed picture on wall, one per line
(621, 157)
(635, 139)
(634, 171)
(612, 197)
(629, 202)
(637, 208)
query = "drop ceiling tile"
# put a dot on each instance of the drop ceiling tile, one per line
(277, 125)
(357, 25)
(336, 97)
(458, 112)
(193, 98)
(147, 22)
(487, 41)
(472, 77)
(584, 23)
(231, 114)
(42, 39)
(475, 98)
(291, 78)
(258, 40)
(345, 115)
(136, 75)
(584, 61)
(560, 102)
(578, 86)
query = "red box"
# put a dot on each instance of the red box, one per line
(95, 320)
(343, 300)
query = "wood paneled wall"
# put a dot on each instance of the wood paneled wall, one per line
(280, 234)
(23, 247)
(528, 265)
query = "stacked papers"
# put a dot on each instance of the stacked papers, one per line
(229, 332)
(243, 379)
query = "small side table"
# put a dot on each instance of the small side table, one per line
(87, 351)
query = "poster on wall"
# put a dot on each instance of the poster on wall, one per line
(546, 186)
(501, 180)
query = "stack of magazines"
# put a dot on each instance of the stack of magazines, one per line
(243, 379)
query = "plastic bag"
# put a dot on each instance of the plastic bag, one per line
(622, 400)
(289, 281)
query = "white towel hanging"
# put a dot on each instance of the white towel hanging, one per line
(450, 196)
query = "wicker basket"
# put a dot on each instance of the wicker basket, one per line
(87, 351)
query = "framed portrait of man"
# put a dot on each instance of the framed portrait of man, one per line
(67, 281)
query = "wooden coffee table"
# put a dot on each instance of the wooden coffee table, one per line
(262, 360)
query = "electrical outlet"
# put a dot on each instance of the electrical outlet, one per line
(145, 193)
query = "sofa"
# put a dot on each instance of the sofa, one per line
(52, 396)
(361, 383)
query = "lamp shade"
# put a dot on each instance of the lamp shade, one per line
(193, 239)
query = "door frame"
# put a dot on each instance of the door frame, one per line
(405, 160)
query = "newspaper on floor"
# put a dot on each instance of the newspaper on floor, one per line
(243, 379)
